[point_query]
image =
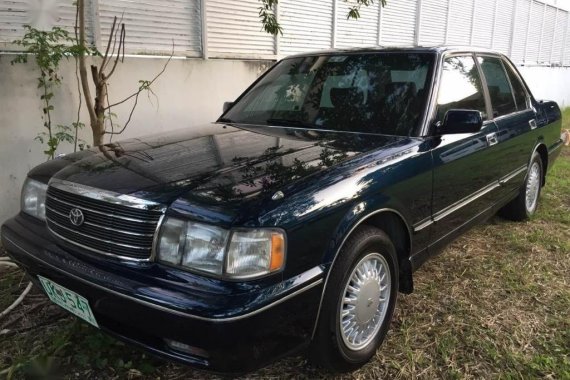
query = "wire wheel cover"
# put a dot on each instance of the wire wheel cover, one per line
(532, 187)
(365, 301)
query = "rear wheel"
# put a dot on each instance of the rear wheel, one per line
(526, 203)
(358, 303)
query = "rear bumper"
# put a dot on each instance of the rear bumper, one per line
(228, 328)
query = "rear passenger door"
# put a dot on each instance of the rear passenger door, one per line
(514, 117)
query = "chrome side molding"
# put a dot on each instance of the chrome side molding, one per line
(468, 199)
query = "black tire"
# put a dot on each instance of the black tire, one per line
(518, 209)
(328, 349)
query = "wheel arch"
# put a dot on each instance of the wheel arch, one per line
(543, 153)
(395, 225)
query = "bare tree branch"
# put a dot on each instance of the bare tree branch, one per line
(110, 113)
(78, 118)
(95, 74)
(106, 56)
(130, 115)
(121, 44)
(114, 33)
(144, 87)
(99, 105)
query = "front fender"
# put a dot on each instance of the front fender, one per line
(358, 213)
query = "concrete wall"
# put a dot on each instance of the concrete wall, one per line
(190, 93)
(548, 83)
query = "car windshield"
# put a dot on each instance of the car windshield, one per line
(381, 93)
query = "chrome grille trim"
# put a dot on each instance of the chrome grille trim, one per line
(98, 225)
(105, 195)
(91, 237)
(114, 225)
(101, 212)
(127, 258)
(153, 250)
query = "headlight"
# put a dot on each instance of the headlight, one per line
(229, 254)
(33, 201)
(255, 253)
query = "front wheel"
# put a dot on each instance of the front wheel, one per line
(358, 303)
(526, 203)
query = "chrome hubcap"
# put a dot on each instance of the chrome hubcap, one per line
(532, 187)
(365, 301)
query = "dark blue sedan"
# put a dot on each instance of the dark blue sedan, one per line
(296, 221)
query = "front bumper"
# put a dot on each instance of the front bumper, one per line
(228, 327)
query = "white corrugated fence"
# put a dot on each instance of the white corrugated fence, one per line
(529, 31)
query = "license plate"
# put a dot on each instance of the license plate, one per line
(69, 300)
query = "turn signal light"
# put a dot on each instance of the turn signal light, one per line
(277, 252)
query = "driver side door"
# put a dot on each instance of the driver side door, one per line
(465, 171)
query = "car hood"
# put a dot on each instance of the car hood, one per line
(227, 165)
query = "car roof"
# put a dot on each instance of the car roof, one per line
(418, 49)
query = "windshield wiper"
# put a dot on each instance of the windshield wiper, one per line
(225, 120)
(290, 123)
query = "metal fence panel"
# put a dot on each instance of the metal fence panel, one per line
(398, 23)
(361, 32)
(154, 26)
(433, 22)
(460, 22)
(307, 25)
(234, 30)
(503, 29)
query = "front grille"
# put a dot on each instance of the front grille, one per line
(107, 228)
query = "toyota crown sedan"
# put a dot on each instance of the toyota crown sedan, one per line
(293, 223)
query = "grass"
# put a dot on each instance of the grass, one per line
(495, 304)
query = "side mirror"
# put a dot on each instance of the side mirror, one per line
(461, 121)
(227, 106)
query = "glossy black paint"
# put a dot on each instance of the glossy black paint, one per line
(465, 121)
(331, 181)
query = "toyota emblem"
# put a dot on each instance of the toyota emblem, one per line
(76, 217)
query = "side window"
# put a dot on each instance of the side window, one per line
(460, 87)
(502, 100)
(518, 88)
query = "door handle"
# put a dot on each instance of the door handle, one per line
(492, 139)
(532, 123)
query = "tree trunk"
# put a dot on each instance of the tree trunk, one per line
(97, 134)
(97, 126)
(100, 96)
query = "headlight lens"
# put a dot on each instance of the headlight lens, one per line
(204, 247)
(255, 253)
(230, 254)
(33, 200)
(170, 240)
